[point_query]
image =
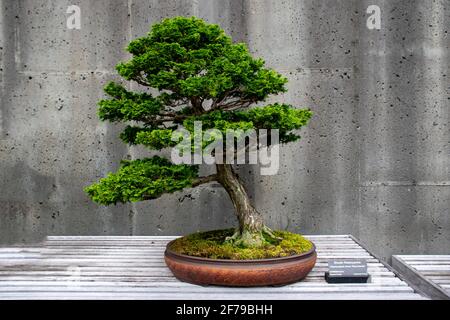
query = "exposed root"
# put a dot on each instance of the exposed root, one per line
(234, 237)
(254, 239)
(269, 232)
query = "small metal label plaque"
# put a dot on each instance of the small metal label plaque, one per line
(347, 271)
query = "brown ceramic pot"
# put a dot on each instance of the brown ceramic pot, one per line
(240, 273)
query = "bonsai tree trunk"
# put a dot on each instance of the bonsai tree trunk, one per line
(251, 232)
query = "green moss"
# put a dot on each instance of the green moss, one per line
(211, 244)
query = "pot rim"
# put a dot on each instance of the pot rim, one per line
(307, 254)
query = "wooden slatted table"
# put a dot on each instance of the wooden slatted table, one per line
(429, 273)
(132, 267)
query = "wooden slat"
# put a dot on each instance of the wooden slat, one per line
(162, 238)
(390, 286)
(86, 280)
(430, 274)
(125, 267)
(424, 257)
(101, 287)
(210, 296)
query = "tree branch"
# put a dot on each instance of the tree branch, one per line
(233, 104)
(203, 180)
(196, 103)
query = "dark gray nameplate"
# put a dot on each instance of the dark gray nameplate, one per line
(347, 271)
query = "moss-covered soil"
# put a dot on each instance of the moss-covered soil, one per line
(212, 244)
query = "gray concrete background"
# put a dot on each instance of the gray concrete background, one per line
(374, 161)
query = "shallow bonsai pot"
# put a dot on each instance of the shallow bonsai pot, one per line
(240, 273)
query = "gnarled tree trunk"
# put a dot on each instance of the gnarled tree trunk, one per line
(251, 232)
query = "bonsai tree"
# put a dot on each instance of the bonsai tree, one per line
(198, 74)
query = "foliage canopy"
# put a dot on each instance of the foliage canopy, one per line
(199, 74)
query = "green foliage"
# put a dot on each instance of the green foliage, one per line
(129, 134)
(212, 244)
(283, 117)
(192, 64)
(126, 105)
(156, 139)
(277, 116)
(194, 59)
(143, 179)
(219, 120)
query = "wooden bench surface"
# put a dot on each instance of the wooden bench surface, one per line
(429, 273)
(132, 267)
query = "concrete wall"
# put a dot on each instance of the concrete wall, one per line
(374, 161)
